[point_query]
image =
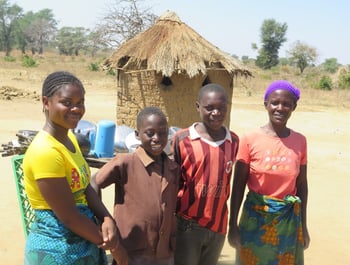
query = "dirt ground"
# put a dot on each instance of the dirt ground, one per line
(326, 125)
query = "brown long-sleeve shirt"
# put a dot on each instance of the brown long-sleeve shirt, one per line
(145, 201)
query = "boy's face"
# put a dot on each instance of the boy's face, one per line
(153, 134)
(212, 109)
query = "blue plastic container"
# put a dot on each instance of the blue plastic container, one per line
(104, 139)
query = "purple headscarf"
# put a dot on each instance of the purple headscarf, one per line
(283, 85)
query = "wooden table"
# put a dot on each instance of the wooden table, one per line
(97, 162)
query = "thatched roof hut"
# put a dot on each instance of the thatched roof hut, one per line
(165, 66)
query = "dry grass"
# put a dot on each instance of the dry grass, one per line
(311, 99)
(13, 74)
(30, 79)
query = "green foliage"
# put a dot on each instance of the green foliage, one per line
(275, 70)
(330, 65)
(28, 61)
(9, 16)
(9, 59)
(94, 67)
(266, 60)
(111, 71)
(302, 55)
(70, 40)
(245, 59)
(284, 61)
(36, 30)
(325, 83)
(344, 80)
(272, 36)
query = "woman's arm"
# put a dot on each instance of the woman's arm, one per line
(57, 193)
(118, 251)
(239, 183)
(302, 193)
(109, 229)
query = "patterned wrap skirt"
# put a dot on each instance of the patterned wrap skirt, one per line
(50, 242)
(271, 231)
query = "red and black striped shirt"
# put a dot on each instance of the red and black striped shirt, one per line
(206, 170)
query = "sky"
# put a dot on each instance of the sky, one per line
(231, 25)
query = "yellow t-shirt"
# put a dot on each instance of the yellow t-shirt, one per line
(48, 158)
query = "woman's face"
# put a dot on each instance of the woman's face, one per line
(280, 104)
(66, 107)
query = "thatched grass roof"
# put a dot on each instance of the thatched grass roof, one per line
(170, 46)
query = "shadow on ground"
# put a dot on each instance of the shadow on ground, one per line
(224, 260)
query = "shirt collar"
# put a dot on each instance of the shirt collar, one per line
(144, 157)
(195, 135)
(147, 160)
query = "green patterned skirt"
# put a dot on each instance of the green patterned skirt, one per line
(51, 243)
(271, 231)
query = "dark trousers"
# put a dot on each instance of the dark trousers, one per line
(196, 245)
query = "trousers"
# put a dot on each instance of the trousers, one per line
(197, 245)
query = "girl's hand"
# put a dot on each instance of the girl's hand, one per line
(234, 237)
(306, 238)
(120, 255)
(110, 234)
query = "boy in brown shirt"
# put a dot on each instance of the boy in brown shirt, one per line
(146, 184)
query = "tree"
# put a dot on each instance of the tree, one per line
(94, 42)
(124, 20)
(330, 65)
(9, 16)
(38, 28)
(272, 36)
(302, 55)
(70, 40)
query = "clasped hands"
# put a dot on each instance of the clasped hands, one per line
(111, 241)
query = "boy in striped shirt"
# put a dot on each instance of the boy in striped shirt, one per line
(206, 152)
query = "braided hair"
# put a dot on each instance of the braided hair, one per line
(56, 80)
(148, 111)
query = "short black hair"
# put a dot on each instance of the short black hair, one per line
(148, 111)
(211, 87)
(56, 80)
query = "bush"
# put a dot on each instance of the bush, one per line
(28, 61)
(344, 80)
(284, 61)
(325, 83)
(94, 67)
(9, 59)
(111, 71)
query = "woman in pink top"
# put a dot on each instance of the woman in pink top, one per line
(271, 161)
